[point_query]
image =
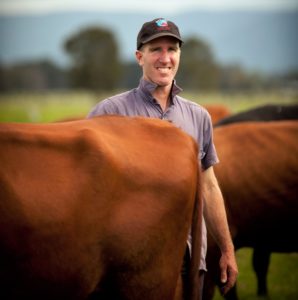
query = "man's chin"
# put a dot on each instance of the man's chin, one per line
(164, 83)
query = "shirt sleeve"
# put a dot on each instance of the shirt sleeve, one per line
(210, 156)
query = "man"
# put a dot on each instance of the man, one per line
(158, 54)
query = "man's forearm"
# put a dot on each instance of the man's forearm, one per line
(217, 224)
(215, 213)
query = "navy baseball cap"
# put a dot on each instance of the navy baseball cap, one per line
(155, 29)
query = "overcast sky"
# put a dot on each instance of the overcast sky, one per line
(161, 6)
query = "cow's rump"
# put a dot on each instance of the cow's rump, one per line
(102, 205)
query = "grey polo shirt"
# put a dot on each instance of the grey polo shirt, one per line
(187, 115)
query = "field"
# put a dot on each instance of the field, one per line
(282, 277)
(54, 106)
(49, 107)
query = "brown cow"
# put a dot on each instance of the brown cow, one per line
(97, 208)
(258, 175)
(217, 112)
(267, 112)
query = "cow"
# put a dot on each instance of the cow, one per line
(267, 112)
(258, 176)
(217, 112)
(98, 209)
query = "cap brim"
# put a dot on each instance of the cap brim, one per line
(161, 34)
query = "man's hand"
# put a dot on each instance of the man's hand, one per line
(228, 271)
(217, 224)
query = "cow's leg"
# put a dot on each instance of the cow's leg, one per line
(179, 290)
(209, 286)
(212, 275)
(260, 261)
(232, 294)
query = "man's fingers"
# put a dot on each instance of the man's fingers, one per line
(229, 282)
(223, 277)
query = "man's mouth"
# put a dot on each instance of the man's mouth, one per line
(163, 69)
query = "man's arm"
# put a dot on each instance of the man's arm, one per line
(216, 221)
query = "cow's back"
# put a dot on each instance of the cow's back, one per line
(258, 175)
(263, 113)
(95, 205)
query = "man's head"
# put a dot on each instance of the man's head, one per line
(155, 29)
(158, 51)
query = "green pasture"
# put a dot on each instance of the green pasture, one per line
(45, 107)
(282, 277)
(54, 106)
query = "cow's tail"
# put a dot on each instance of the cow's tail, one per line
(196, 233)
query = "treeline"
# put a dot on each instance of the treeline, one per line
(96, 65)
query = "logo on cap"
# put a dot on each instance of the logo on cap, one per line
(162, 23)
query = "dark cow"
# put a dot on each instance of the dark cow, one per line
(97, 208)
(268, 112)
(258, 175)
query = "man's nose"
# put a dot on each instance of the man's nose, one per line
(164, 57)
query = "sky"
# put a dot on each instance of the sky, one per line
(11, 7)
(31, 29)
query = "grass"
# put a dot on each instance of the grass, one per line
(45, 107)
(53, 106)
(282, 277)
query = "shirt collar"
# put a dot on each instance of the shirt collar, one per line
(147, 87)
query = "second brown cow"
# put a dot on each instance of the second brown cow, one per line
(258, 175)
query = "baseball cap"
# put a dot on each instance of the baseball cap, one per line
(157, 28)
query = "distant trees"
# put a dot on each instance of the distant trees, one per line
(95, 59)
(198, 68)
(131, 74)
(95, 65)
(234, 75)
(33, 75)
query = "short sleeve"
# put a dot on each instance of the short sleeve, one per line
(210, 156)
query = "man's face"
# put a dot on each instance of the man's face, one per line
(159, 60)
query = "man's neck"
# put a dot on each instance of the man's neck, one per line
(163, 96)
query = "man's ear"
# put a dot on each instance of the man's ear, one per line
(139, 56)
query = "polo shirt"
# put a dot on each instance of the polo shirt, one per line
(187, 115)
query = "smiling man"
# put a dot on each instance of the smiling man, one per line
(158, 54)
